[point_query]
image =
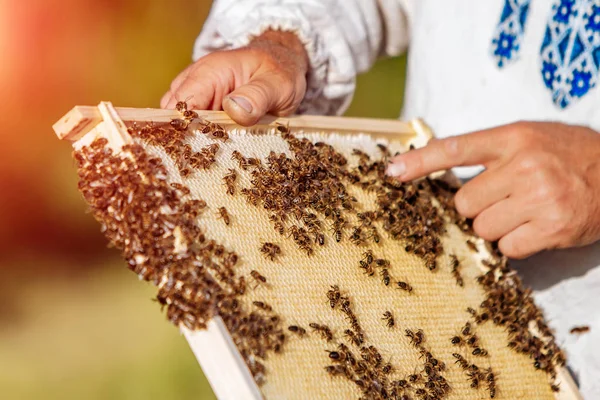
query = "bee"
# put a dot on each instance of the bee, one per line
(262, 306)
(237, 156)
(220, 134)
(374, 234)
(258, 277)
(320, 238)
(335, 370)
(368, 257)
(270, 250)
(356, 237)
(180, 124)
(455, 265)
(367, 267)
(185, 172)
(297, 330)
(385, 276)
(334, 295)
(181, 106)
(190, 115)
(360, 154)
(381, 262)
(323, 330)
(555, 388)
(404, 286)
(491, 382)
(472, 246)
(183, 189)
(279, 227)
(229, 180)
(353, 337)
(466, 330)
(387, 369)
(224, 215)
(387, 316)
(580, 329)
(416, 338)
(456, 341)
(282, 128)
(478, 351)
(460, 360)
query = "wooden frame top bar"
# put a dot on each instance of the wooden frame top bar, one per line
(81, 119)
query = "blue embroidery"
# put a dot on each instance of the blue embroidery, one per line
(509, 33)
(570, 50)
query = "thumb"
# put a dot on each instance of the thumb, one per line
(264, 93)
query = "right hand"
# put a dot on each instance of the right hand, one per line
(267, 76)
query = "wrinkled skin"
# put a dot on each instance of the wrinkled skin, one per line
(540, 189)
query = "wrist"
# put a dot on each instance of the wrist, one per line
(284, 47)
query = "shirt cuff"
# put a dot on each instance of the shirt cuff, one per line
(331, 79)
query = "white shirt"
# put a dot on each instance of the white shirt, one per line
(455, 84)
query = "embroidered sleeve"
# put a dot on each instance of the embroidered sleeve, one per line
(342, 37)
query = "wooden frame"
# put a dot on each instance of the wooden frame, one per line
(219, 358)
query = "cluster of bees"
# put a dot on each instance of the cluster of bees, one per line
(308, 200)
(467, 339)
(365, 365)
(509, 304)
(196, 279)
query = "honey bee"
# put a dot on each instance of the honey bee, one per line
(466, 330)
(190, 115)
(297, 330)
(455, 265)
(456, 340)
(374, 234)
(183, 189)
(472, 246)
(220, 134)
(262, 305)
(335, 370)
(460, 360)
(387, 316)
(405, 286)
(580, 329)
(385, 276)
(356, 237)
(353, 337)
(478, 351)
(367, 267)
(491, 382)
(223, 214)
(229, 180)
(180, 124)
(270, 250)
(387, 368)
(334, 295)
(368, 257)
(323, 330)
(320, 238)
(181, 106)
(555, 388)
(416, 338)
(258, 277)
(279, 227)
(381, 262)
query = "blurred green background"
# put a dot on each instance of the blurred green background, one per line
(74, 322)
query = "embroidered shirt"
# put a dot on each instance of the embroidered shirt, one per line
(468, 69)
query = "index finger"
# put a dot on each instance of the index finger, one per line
(477, 148)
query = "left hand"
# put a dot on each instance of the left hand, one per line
(540, 189)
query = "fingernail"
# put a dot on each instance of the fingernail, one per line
(396, 169)
(243, 103)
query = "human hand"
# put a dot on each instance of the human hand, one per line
(540, 189)
(267, 76)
